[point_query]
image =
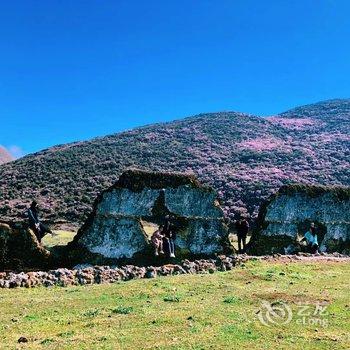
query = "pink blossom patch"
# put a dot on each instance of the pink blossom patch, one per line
(326, 137)
(292, 123)
(263, 144)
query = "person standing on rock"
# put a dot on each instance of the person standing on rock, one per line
(39, 229)
(311, 239)
(242, 228)
(169, 237)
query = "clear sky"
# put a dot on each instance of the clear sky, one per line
(73, 70)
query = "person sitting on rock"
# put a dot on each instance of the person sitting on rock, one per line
(157, 241)
(39, 229)
(242, 228)
(169, 237)
(311, 239)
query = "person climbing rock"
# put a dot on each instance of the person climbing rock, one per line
(39, 229)
(169, 236)
(242, 228)
(311, 239)
(157, 241)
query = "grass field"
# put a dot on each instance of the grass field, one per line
(215, 311)
(60, 237)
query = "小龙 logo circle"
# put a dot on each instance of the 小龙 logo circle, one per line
(277, 313)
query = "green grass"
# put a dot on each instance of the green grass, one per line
(234, 240)
(149, 228)
(213, 311)
(59, 238)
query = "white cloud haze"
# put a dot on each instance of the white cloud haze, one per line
(15, 151)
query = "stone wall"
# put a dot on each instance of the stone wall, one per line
(87, 274)
(114, 228)
(105, 274)
(289, 213)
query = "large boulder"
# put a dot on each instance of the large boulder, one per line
(115, 230)
(20, 249)
(287, 215)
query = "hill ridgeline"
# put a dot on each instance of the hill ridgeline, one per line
(245, 158)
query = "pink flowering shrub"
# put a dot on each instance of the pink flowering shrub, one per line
(292, 123)
(245, 158)
(262, 144)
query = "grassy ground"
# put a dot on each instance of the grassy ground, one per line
(217, 311)
(234, 240)
(149, 228)
(59, 238)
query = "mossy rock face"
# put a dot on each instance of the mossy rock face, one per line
(114, 229)
(136, 180)
(115, 237)
(341, 193)
(271, 245)
(20, 249)
(202, 237)
(288, 214)
(339, 245)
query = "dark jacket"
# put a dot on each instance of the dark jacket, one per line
(242, 227)
(169, 230)
(33, 217)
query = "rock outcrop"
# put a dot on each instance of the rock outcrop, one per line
(114, 229)
(288, 214)
(20, 249)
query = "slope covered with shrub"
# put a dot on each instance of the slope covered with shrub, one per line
(246, 158)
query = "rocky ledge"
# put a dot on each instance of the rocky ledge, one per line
(84, 275)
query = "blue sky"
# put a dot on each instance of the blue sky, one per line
(73, 70)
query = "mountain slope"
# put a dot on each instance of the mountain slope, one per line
(5, 156)
(245, 157)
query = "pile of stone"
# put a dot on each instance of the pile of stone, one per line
(85, 274)
(105, 274)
